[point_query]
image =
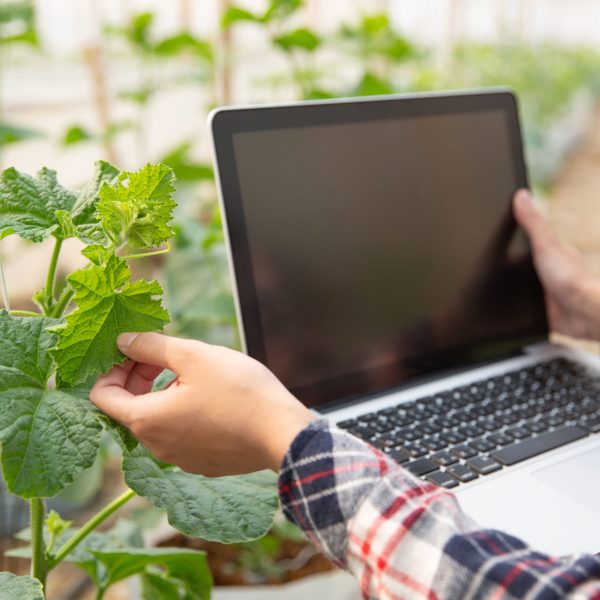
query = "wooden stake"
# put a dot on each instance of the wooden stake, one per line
(93, 59)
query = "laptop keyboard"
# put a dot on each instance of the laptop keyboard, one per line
(463, 434)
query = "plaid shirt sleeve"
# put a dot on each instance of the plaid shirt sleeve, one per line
(405, 538)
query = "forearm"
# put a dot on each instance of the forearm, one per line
(405, 538)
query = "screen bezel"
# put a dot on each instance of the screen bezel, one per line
(226, 122)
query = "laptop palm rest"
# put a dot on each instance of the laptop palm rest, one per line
(576, 477)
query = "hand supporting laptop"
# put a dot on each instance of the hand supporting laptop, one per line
(572, 292)
(226, 414)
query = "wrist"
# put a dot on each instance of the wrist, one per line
(285, 423)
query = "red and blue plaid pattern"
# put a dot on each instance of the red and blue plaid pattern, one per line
(404, 538)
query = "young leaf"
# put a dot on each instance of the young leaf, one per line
(107, 304)
(222, 509)
(55, 524)
(84, 209)
(28, 204)
(23, 588)
(47, 437)
(139, 207)
(188, 567)
(36, 207)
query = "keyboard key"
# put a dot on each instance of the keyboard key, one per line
(362, 431)
(471, 430)
(518, 433)
(484, 465)
(509, 419)
(591, 424)
(384, 443)
(501, 439)
(442, 479)
(415, 450)
(347, 423)
(444, 458)
(381, 426)
(463, 451)
(428, 428)
(538, 445)
(421, 466)
(408, 434)
(452, 437)
(398, 455)
(482, 445)
(490, 424)
(433, 444)
(462, 473)
(536, 426)
(555, 420)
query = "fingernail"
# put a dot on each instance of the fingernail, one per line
(524, 197)
(126, 339)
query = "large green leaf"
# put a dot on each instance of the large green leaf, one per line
(13, 587)
(139, 207)
(47, 437)
(185, 568)
(35, 207)
(222, 509)
(107, 304)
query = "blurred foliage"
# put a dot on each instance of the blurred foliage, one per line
(17, 26)
(17, 22)
(368, 56)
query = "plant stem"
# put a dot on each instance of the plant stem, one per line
(4, 288)
(39, 566)
(62, 302)
(88, 527)
(165, 250)
(51, 275)
(100, 593)
(25, 313)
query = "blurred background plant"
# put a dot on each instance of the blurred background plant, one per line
(132, 81)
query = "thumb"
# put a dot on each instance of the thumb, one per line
(532, 220)
(157, 349)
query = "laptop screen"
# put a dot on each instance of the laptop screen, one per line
(377, 251)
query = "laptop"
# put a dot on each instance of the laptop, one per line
(379, 273)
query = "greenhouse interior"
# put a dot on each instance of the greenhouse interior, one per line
(330, 187)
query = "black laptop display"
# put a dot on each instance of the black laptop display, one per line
(373, 242)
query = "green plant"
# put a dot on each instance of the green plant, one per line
(298, 45)
(50, 432)
(17, 27)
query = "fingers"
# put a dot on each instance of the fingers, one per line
(159, 350)
(533, 221)
(141, 378)
(109, 395)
